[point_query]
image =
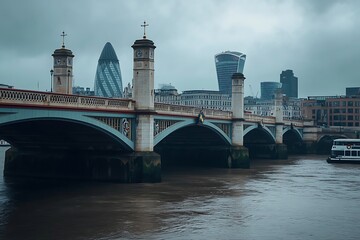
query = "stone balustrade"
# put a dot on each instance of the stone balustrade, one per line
(170, 109)
(34, 98)
(48, 99)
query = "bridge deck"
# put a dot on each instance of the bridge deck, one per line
(36, 99)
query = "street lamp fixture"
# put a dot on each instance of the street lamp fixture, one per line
(51, 79)
(67, 84)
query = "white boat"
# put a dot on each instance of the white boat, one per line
(4, 143)
(345, 151)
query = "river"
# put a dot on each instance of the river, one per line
(300, 198)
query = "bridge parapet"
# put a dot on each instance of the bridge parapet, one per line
(46, 99)
(258, 118)
(170, 109)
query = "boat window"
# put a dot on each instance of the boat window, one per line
(353, 153)
(347, 153)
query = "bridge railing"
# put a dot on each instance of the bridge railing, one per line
(34, 98)
(47, 99)
(259, 119)
(170, 109)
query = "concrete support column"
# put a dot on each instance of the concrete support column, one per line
(143, 94)
(239, 155)
(280, 148)
(144, 141)
(237, 98)
(310, 138)
(237, 136)
(279, 117)
(279, 133)
(237, 107)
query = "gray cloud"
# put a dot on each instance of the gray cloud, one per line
(317, 39)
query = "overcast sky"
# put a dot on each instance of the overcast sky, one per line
(318, 39)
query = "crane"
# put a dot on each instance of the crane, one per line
(252, 92)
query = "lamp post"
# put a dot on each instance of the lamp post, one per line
(68, 83)
(51, 78)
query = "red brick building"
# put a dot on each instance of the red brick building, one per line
(332, 110)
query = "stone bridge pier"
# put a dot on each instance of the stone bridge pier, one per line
(143, 94)
(280, 147)
(239, 155)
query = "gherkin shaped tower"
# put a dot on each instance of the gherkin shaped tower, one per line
(108, 82)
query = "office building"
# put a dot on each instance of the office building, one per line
(216, 100)
(195, 98)
(228, 63)
(332, 110)
(291, 107)
(108, 82)
(268, 89)
(85, 91)
(289, 83)
(353, 91)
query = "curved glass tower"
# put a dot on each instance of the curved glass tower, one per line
(227, 63)
(108, 82)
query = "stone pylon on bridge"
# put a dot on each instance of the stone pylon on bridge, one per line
(239, 155)
(143, 94)
(280, 147)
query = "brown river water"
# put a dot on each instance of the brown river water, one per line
(300, 198)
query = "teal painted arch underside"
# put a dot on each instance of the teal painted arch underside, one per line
(20, 115)
(264, 128)
(295, 129)
(189, 122)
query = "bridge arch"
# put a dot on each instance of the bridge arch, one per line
(71, 121)
(293, 130)
(260, 141)
(186, 123)
(292, 138)
(256, 129)
(189, 144)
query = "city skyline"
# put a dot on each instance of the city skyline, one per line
(311, 38)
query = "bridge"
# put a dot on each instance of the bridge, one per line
(57, 134)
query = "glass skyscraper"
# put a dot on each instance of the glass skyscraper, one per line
(227, 63)
(289, 83)
(108, 82)
(268, 89)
